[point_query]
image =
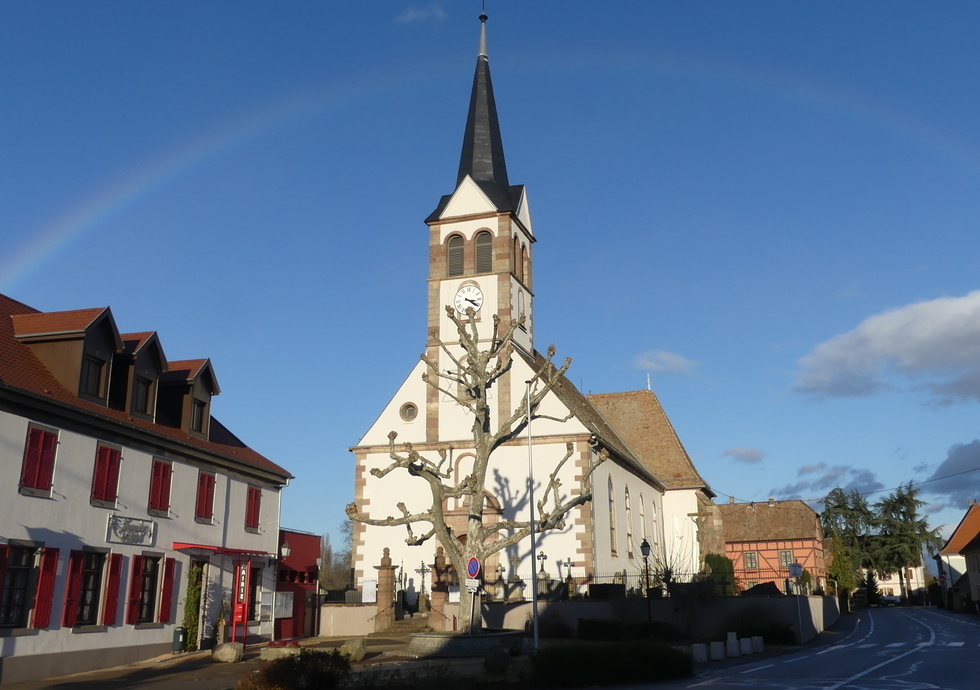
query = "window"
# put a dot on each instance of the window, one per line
(751, 560)
(159, 501)
(484, 252)
(21, 591)
(37, 471)
(785, 558)
(255, 581)
(141, 395)
(525, 266)
(612, 517)
(643, 517)
(253, 501)
(105, 477)
(408, 412)
(145, 584)
(91, 382)
(454, 256)
(204, 510)
(516, 258)
(629, 525)
(197, 416)
(82, 597)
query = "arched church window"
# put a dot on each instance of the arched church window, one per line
(516, 258)
(525, 266)
(643, 518)
(484, 252)
(629, 525)
(454, 256)
(612, 517)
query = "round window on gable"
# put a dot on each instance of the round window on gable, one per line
(409, 412)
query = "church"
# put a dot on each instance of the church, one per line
(482, 248)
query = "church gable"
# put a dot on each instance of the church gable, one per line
(404, 413)
(468, 200)
(523, 210)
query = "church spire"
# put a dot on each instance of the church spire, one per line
(483, 150)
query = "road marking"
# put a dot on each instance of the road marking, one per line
(954, 644)
(757, 668)
(923, 644)
(932, 638)
(866, 646)
(799, 658)
(896, 644)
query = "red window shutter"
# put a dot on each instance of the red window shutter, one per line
(111, 606)
(160, 485)
(205, 495)
(32, 458)
(112, 475)
(166, 596)
(99, 474)
(73, 589)
(45, 470)
(135, 584)
(45, 589)
(252, 505)
(154, 499)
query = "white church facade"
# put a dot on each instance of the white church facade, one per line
(481, 256)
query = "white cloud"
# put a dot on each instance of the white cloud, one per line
(933, 342)
(666, 362)
(749, 456)
(413, 13)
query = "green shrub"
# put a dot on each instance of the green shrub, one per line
(584, 664)
(308, 670)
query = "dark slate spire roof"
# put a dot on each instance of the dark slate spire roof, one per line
(482, 157)
(483, 149)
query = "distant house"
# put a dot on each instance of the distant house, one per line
(763, 539)
(122, 500)
(961, 588)
(297, 587)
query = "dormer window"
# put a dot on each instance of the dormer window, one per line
(198, 409)
(141, 395)
(91, 383)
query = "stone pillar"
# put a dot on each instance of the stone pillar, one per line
(440, 591)
(386, 593)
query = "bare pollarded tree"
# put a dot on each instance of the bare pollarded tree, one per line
(476, 372)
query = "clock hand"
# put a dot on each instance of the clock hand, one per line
(471, 301)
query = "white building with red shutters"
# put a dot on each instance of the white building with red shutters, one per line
(120, 497)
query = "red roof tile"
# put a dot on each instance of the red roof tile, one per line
(44, 323)
(21, 369)
(965, 532)
(779, 520)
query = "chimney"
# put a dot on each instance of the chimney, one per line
(772, 501)
(731, 499)
(970, 502)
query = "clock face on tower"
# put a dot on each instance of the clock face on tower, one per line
(468, 296)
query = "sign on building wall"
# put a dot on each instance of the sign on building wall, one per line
(128, 530)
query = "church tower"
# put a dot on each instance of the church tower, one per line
(480, 236)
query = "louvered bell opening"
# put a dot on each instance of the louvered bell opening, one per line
(484, 252)
(454, 256)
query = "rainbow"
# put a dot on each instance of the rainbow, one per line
(55, 236)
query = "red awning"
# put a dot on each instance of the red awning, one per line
(183, 546)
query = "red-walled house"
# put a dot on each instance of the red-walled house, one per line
(298, 575)
(762, 539)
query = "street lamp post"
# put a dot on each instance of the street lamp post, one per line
(645, 550)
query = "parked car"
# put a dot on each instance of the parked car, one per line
(890, 600)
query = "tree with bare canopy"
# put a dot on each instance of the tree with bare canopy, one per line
(476, 372)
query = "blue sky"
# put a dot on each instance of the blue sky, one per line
(770, 208)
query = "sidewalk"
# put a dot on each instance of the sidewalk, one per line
(196, 671)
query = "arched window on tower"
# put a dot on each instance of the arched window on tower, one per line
(612, 518)
(484, 252)
(516, 258)
(525, 266)
(629, 526)
(454, 256)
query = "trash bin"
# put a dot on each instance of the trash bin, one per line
(180, 639)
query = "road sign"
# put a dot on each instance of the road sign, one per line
(473, 567)
(472, 585)
(795, 570)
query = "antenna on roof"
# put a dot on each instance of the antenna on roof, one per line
(648, 382)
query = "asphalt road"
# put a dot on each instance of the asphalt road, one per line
(889, 649)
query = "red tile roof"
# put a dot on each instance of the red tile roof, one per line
(21, 369)
(44, 323)
(134, 341)
(779, 520)
(965, 532)
(186, 369)
(640, 420)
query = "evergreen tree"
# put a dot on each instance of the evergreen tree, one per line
(848, 520)
(902, 534)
